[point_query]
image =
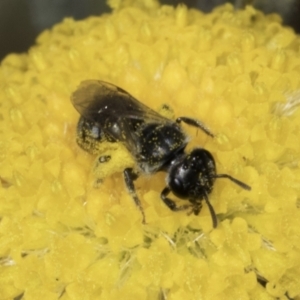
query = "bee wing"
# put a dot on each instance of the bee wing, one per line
(102, 102)
(88, 98)
(95, 97)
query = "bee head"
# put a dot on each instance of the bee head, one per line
(192, 175)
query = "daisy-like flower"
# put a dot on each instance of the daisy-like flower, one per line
(68, 227)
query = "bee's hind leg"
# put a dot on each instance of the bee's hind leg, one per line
(98, 169)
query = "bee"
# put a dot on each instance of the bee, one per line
(109, 113)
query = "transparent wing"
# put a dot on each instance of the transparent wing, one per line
(104, 103)
(94, 98)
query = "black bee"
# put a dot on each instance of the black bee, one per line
(156, 143)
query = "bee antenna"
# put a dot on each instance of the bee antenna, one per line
(241, 184)
(212, 211)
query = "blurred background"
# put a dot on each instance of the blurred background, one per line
(22, 20)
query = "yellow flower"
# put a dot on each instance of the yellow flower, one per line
(66, 235)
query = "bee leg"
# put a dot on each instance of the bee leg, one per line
(170, 203)
(195, 123)
(129, 177)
